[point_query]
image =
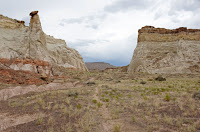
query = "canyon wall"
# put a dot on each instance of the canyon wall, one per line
(20, 42)
(166, 51)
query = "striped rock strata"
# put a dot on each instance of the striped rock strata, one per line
(167, 51)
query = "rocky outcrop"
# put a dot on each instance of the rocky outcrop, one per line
(151, 34)
(116, 69)
(26, 43)
(167, 51)
(9, 23)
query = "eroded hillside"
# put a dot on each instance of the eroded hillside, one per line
(18, 41)
(167, 51)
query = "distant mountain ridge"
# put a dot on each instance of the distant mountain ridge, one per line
(98, 65)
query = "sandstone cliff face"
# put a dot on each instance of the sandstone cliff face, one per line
(167, 51)
(18, 41)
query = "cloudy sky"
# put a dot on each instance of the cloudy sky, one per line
(104, 30)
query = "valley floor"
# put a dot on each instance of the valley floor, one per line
(103, 102)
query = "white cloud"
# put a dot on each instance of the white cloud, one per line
(92, 21)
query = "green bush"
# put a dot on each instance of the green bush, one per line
(99, 104)
(94, 101)
(79, 106)
(167, 97)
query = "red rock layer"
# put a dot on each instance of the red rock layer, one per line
(10, 76)
(24, 61)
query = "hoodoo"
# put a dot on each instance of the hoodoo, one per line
(29, 48)
(167, 51)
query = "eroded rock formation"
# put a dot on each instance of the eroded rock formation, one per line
(25, 43)
(167, 51)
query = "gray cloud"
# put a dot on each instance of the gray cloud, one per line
(92, 21)
(84, 42)
(193, 21)
(157, 15)
(94, 26)
(178, 12)
(185, 13)
(187, 5)
(124, 5)
(74, 20)
(62, 24)
(20, 7)
(180, 6)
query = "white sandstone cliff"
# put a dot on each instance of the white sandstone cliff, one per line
(167, 51)
(18, 41)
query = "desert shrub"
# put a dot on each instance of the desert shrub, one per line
(106, 100)
(118, 81)
(116, 128)
(114, 90)
(73, 94)
(150, 79)
(133, 118)
(79, 106)
(94, 101)
(106, 92)
(99, 104)
(196, 95)
(197, 125)
(167, 97)
(39, 121)
(160, 78)
(91, 83)
(142, 82)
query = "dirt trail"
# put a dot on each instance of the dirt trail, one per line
(108, 123)
(7, 120)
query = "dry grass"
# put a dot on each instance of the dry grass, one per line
(153, 106)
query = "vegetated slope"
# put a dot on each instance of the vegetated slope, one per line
(98, 65)
(167, 51)
(104, 102)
